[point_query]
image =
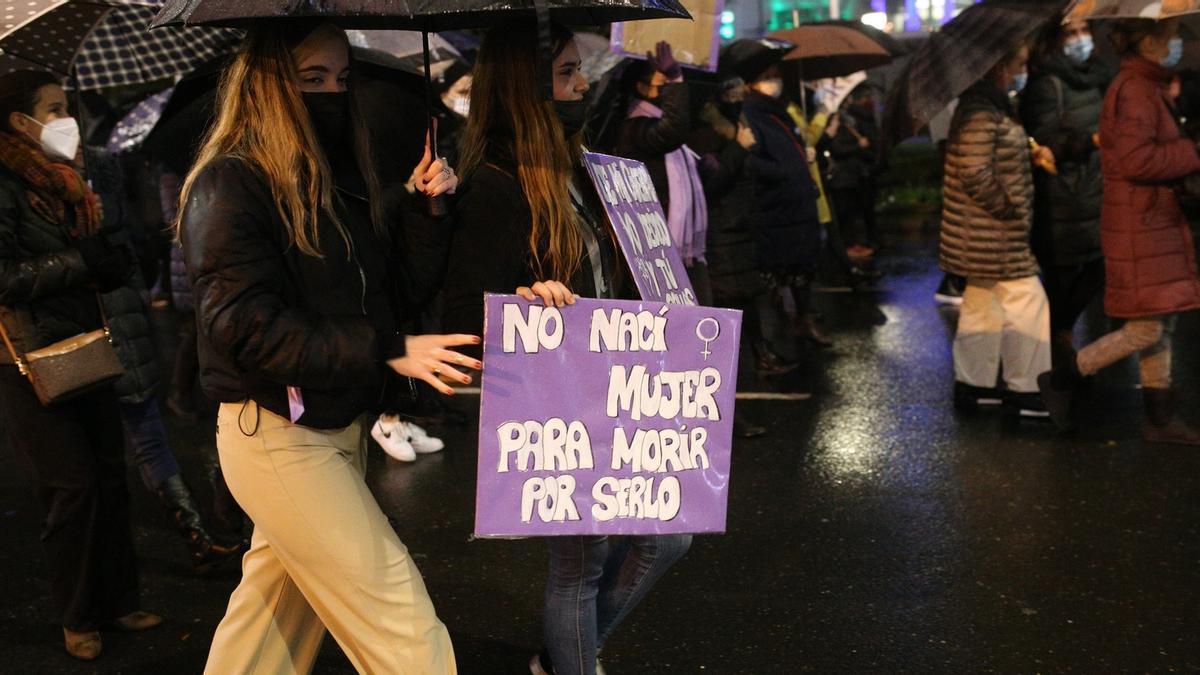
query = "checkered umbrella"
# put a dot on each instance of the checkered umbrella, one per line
(121, 50)
(956, 57)
(45, 34)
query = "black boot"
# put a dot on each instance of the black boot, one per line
(1058, 387)
(1161, 424)
(771, 363)
(744, 428)
(207, 554)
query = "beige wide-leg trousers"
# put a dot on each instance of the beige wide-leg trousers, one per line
(1003, 322)
(322, 556)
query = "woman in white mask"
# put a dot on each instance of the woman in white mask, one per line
(53, 260)
(1061, 110)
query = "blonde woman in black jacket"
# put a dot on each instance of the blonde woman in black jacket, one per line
(301, 274)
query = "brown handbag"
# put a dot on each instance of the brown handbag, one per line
(70, 367)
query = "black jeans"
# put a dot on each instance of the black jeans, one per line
(77, 454)
(1071, 288)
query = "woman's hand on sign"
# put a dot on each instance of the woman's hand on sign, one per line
(552, 293)
(432, 176)
(429, 358)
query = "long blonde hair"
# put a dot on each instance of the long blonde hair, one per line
(508, 106)
(261, 119)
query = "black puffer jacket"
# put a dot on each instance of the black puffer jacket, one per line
(270, 317)
(788, 231)
(987, 192)
(729, 188)
(127, 308)
(1061, 109)
(47, 292)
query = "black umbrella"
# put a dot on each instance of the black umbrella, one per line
(423, 15)
(959, 55)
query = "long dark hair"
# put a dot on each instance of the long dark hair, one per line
(509, 110)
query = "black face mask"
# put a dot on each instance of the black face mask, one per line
(330, 115)
(572, 115)
(730, 110)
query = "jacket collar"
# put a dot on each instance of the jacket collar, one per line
(1091, 74)
(985, 90)
(1146, 68)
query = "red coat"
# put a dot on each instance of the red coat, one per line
(1150, 260)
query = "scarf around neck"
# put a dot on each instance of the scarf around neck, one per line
(51, 186)
(687, 217)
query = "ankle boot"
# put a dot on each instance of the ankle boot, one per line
(207, 554)
(770, 362)
(1160, 423)
(1057, 388)
(807, 330)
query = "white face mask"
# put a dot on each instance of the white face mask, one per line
(60, 137)
(772, 87)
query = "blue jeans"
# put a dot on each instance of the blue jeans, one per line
(595, 581)
(146, 438)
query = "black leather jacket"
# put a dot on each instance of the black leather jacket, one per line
(270, 317)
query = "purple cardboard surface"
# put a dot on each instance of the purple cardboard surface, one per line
(605, 417)
(633, 209)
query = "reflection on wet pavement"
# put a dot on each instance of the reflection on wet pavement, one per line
(874, 530)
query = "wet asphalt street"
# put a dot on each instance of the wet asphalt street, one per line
(873, 531)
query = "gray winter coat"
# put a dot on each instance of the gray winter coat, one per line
(987, 193)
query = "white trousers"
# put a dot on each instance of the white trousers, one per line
(323, 556)
(1003, 323)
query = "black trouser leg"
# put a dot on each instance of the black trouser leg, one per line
(77, 453)
(187, 359)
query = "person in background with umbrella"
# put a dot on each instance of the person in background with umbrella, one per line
(454, 90)
(785, 201)
(301, 264)
(1061, 109)
(54, 258)
(1004, 322)
(655, 132)
(529, 220)
(1149, 253)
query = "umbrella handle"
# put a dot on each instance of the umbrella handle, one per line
(435, 206)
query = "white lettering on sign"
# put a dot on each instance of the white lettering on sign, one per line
(541, 328)
(551, 496)
(553, 446)
(620, 331)
(635, 498)
(660, 451)
(668, 394)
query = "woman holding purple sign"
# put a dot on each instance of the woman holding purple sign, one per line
(529, 220)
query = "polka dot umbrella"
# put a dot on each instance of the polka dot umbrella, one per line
(103, 43)
(45, 34)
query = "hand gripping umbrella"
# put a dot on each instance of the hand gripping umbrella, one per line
(956, 57)
(423, 15)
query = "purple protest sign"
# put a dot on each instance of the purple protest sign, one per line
(628, 195)
(605, 417)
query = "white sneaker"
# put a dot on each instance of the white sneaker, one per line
(421, 441)
(393, 440)
(535, 666)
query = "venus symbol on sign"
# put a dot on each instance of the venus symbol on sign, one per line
(700, 333)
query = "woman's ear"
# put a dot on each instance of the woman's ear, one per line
(21, 124)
